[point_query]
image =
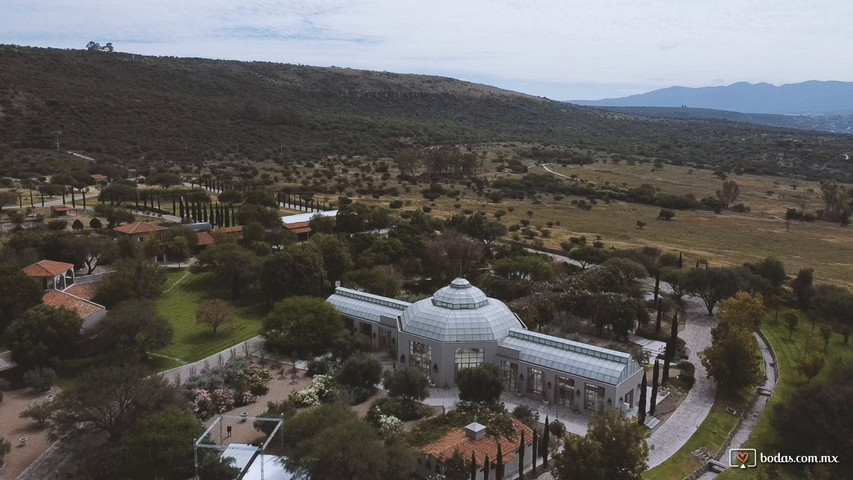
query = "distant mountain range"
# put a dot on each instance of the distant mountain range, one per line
(807, 98)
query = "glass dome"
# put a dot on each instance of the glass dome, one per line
(459, 312)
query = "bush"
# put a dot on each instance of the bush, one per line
(5, 448)
(40, 379)
(321, 366)
(666, 214)
(405, 410)
(557, 428)
(57, 225)
(527, 415)
(360, 371)
(39, 412)
(396, 204)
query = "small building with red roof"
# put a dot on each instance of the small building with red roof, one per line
(139, 231)
(61, 210)
(51, 275)
(91, 312)
(473, 440)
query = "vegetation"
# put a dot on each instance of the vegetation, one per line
(215, 313)
(43, 336)
(613, 448)
(481, 384)
(133, 328)
(302, 325)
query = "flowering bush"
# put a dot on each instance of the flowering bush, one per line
(389, 426)
(223, 400)
(253, 378)
(245, 398)
(202, 403)
(219, 389)
(322, 389)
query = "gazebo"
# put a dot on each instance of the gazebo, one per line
(52, 275)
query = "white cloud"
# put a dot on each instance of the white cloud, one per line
(533, 42)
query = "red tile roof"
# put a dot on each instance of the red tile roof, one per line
(238, 228)
(139, 227)
(291, 226)
(444, 448)
(84, 308)
(86, 291)
(205, 238)
(61, 208)
(98, 177)
(47, 268)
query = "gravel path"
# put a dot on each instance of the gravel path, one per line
(684, 422)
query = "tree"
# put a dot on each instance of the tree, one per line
(733, 359)
(336, 257)
(772, 269)
(666, 214)
(40, 379)
(233, 265)
(711, 285)
(655, 384)
(8, 198)
(160, 446)
(111, 400)
(43, 336)
(381, 280)
(791, 322)
(546, 439)
(130, 279)
(215, 313)
(329, 442)
(178, 250)
(94, 251)
(361, 370)
(614, 448)
(134, 327)
(641, 224)
(407, 383)
(452, 253)
(5, 448)
(534, 450)
(499, 468)
(473, 465)
(321, 224)
(231, 197)
(588, 255)
(743, 309)
(803, 287)
(95, 223)
(728, 193)
(826, 334)
(305, 325)
(296, 270)
(77, 225)
(523, 267)
(521, 448)
(816, 419)
(641, 404)
(39, 411)
(211, 467)
(486, 467)
(483, 383)
(810, 364)
(20, 293)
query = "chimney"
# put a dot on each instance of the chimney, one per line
(475, 431)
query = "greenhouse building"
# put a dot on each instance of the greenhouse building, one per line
(460, 327)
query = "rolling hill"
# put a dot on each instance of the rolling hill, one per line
(136, 109)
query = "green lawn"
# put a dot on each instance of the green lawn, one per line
(788, 351)
(711, 435)
(183, 293)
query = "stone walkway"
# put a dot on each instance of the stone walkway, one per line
(684, 422)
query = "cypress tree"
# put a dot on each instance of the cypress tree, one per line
(31, 200)
(73, 200)
(657, 284)
(84, 199)
(655, 379)
(641, 404)
(486, 468)
(660, 314)
(521, 458)
(174, 211)
(535, 450)
(499, 468)
(546, 439)
(680, 261)
(665, 375)
(473, 465)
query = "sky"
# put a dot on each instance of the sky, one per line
(560, 49)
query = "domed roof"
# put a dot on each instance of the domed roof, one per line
(459, 312)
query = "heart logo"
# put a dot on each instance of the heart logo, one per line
(742, 457)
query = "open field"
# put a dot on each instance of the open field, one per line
(183, 293)
(788, 351)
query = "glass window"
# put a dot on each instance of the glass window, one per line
(469, 358)
(535, 377)
(510, 373)
(421, 357)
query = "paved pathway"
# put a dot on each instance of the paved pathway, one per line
(684, 422)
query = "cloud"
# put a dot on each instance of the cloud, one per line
(541, 42)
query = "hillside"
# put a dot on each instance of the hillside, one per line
(131, 108)
(811, 97)
(820, 123)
